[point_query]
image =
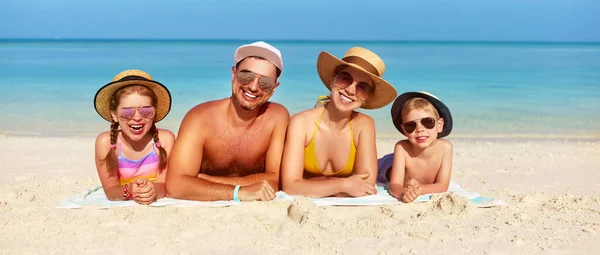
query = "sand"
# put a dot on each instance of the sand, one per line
(552, 187)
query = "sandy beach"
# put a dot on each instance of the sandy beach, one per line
(552, 187)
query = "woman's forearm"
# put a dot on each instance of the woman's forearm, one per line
(316, 187)
(159, 190)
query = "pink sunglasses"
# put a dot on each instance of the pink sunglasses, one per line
(127, 113)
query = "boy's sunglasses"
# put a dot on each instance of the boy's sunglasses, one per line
(345, 79)
(411, 126)
(266, 84)
(127, 113)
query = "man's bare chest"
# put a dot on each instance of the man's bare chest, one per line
(235, 154)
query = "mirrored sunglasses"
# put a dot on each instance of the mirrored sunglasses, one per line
(411, 126)
(127, 113)
(345, 79)
(266, 84)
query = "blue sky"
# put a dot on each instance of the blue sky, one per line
(487, 20)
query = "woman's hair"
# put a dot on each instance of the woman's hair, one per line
(112, 164)
(418, 103)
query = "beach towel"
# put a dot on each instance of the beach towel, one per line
(95, 197)
(383, 197)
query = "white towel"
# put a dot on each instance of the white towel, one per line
(384, 198)
(94, 197)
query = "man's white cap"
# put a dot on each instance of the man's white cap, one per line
(259, 49)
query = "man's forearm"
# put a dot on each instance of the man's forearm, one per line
(194, 188)
(271, 178)
(159, 190)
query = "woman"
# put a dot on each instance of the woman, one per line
(330, 150)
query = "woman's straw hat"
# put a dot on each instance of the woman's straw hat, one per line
(129, 78)
(362, 60)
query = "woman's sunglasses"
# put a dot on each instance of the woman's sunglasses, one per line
(127, 113)
(411, 126)
(266, 84)
(345, 79)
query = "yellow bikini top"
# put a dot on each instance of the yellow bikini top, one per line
(311, 165)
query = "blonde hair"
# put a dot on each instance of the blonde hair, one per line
(112, 162)
(418, 103)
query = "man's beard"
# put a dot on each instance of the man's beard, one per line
(244, 105)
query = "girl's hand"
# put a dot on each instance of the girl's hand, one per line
(143, 191)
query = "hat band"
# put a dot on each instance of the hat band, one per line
(133, 77)
(362, 63)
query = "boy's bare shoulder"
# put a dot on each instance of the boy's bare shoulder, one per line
(445, 145)
(403, 144)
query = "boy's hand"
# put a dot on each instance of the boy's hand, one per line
(413, 191)
(357, 186)
(143, 191)
(412, 183)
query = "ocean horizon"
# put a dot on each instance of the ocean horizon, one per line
(494, 89)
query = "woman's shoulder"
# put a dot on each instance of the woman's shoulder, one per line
(304, 119)
(361, 119)
(307, 114)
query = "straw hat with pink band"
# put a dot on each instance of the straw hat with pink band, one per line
(129, 78)
(259, 49)
(364, 61)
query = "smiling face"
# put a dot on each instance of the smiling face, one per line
(421, 127)
(351, 89)
(254, 81)
(135, 111)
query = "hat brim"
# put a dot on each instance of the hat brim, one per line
(384, 91)
(442, 109)
(104, 94)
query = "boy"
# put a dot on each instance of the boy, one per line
(422, 163)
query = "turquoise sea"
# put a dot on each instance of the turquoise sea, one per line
(494, 89)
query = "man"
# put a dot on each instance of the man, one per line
(231, 148)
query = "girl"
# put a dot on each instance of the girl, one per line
(330, 150)
(131, 159)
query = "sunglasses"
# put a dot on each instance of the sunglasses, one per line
(266, 84)
(345, 79)
(127, 113)
(411, 126)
